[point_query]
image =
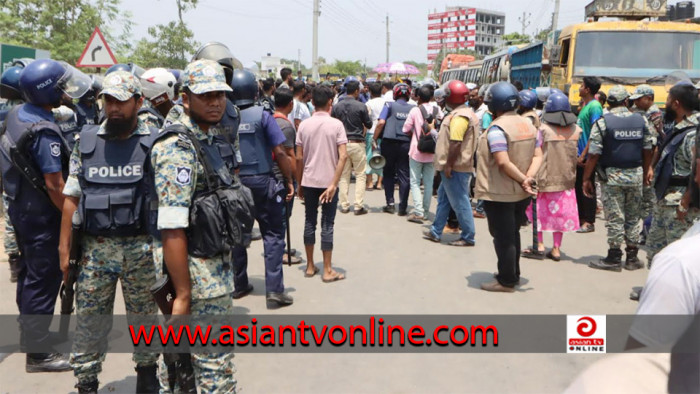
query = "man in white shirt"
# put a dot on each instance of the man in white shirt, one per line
(300, 112)
(388, 91)
(374, 106)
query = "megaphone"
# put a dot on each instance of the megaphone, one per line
(377, 161)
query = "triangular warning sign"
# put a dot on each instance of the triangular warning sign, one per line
(97, 52)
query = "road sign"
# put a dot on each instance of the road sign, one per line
(97, 52)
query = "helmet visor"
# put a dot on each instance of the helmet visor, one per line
(74, 82)
(219, 53)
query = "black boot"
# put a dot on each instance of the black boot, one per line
(13, 259)
(147, 380)
(613, 261)
(87, 387)
(632, 263)
(47, 362)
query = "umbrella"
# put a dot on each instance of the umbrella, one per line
(396, 68)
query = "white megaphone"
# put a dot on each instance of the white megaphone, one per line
(377, 161)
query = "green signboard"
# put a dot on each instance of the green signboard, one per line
(10, 53)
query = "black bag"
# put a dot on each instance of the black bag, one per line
(220, 216)
(426, 143)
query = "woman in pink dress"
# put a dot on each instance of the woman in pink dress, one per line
(557, 210)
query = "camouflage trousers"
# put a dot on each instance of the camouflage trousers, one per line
(623, 213)
(648, 201)
(10, 239)
(666, 228)
(106, 261)
(214, 372)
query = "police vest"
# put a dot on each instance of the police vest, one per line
(152, 112)
(223, 212)
(255, 154)
(229, 125)
(114, 183)
(393, 129)
(664, 168)
(623, 141)
(19, 171)
(86, 115)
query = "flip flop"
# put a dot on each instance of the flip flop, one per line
(338, 276)
(553, 257)
(306, 274)
(532, 254)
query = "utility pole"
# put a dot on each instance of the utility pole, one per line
(314, 54)
(299, 59)
(524, 20)
(387, 38)
(555, 22)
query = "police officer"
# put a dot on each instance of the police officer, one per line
(159, 91)
(672, 216)
(621, 143)
(203, 285)
(260, 138)
(108, 186)
(643, 98)
(508, 157)
(67, 114)
(528, 102)
(10, 91)
(34, 206)
(86, 109)
(395, 147)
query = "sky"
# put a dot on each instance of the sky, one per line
(348, 29)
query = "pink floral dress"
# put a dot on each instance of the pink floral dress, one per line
(556, 211)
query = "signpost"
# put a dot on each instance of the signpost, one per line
(97, 52)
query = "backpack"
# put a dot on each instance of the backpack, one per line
(426, 143)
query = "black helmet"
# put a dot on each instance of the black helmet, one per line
(502, 96)
(219, 53)
(245, 87)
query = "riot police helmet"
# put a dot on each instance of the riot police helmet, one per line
(9, 83)
(219, 53)
(502, 97)
(245, 87)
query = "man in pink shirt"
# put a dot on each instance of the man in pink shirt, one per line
(421, 163)
(321, 157)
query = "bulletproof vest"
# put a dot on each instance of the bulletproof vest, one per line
(393, 129)
(153, 112)
(623, 141)
(20, 173)
(664, 167)
(70, 128)
(114, 183)
(86, 115)
(256, 155)
(229, 125)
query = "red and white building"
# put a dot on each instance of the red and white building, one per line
(464, 28)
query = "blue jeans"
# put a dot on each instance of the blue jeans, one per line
(454, 192)
(424, 171)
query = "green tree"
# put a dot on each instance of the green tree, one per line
(64, 27)
(542, 36)
(516, 38)
(171, 45)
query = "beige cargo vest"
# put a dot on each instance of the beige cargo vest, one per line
(491, 183)
(531, 114)
(560, 147)
(465, 161)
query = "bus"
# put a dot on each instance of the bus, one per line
(468, 74)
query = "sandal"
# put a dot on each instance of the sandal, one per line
(532, 254)
(336, 277)
(307, 275)
(460, 242)
(553, 257)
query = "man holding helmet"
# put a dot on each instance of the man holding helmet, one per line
(33, 148)
(395, 147)
(509, 156)
(454, 159)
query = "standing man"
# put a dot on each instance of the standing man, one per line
(589, 114)
(374, 107)
(509, 156)
(355, 118)
(268, 94)
(321, 156)
(643, 98)
(203, 285)
(395, 147)
(34, 208)
(287, 78)
(454, 159)
(388, 91)
(528, 102)
(300, 112)
(260, 138)
(621, 143)
(421, 125)
(114, 249)
(672, 216)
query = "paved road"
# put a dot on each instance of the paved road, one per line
(391, 270)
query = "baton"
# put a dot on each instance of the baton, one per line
(289, 236)
(534, 218)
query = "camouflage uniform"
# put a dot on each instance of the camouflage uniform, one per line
(622, 191)
(106, 260)
(177, 113)
(148, 118)
(211, 279)
(10, 240)
(655, 118)
(665, 228)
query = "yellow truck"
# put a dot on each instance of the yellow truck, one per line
(630, 51)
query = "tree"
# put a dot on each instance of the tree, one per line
(63, 27)
(516, 38)
(171, 45)
(542, 36)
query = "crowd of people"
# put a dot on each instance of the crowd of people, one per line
(138, 162)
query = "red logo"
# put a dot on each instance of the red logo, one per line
(586, 326)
